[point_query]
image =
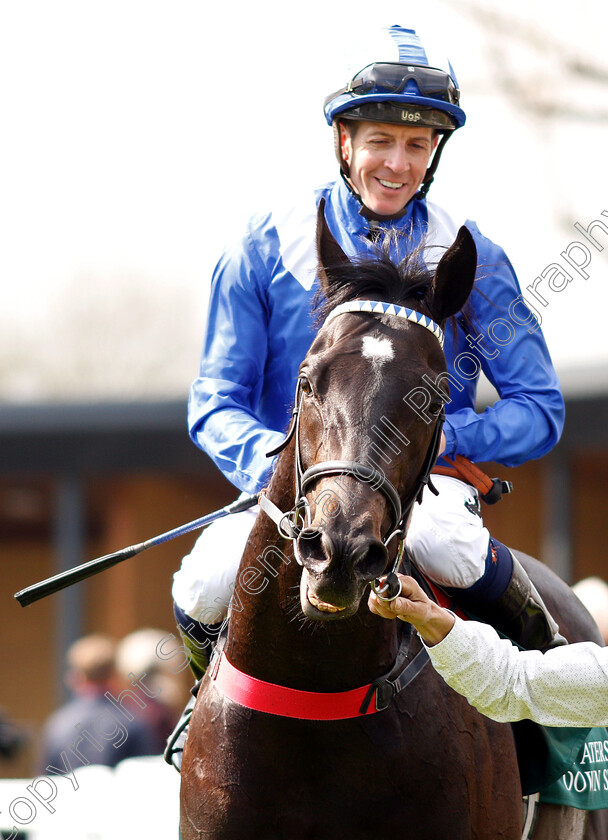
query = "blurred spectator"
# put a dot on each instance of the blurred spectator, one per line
(12, 737)
(103, 723)
(136, 655)
(593, 592)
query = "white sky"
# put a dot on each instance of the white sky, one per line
(138, 135)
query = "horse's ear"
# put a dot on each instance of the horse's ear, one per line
(454, 277)
(330, 254)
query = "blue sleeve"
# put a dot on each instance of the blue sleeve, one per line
(527, 419)
(222, 406)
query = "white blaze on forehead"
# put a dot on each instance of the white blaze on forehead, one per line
(377, 350)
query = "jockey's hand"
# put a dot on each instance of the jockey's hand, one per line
(432, 622)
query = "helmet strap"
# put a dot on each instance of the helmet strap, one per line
(430, 172)
(344, 167)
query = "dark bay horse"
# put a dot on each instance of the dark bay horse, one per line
(278, 747)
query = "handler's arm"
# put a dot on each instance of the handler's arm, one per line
(432, 622)
(567, 686)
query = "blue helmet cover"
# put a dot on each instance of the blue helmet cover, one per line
(410, 51)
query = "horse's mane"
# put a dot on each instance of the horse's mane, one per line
(382, 273)
(377, 275)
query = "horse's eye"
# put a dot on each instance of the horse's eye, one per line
(436, 406)
(305, 386)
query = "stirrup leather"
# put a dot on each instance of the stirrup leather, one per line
(177, 739)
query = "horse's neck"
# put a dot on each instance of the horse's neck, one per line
(269, 637)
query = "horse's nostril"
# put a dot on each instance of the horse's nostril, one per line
(372, 561)
(368, 558)
(310, 533)
(310, 548)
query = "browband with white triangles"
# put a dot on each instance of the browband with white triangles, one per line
(376, 307)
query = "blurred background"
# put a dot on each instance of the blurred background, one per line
(137, 139)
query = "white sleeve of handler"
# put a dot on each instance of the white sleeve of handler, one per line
(566, 686)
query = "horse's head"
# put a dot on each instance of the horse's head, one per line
(371, 399)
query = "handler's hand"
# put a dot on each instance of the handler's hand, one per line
(432, 622)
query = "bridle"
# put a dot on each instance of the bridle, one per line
(292, 523)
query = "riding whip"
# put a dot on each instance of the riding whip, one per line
(93, 567)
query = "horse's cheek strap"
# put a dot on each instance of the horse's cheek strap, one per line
(292, 426)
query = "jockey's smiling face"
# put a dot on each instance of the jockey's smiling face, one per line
(386, 162)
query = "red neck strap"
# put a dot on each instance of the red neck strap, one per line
(273, 699)
(287, 702)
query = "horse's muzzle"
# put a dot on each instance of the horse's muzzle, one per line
(322, 553)
(337, 568)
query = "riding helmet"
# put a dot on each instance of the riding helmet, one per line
(410, 86)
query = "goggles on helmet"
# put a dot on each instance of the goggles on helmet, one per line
(392, 77)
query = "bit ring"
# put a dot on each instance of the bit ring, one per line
(390, 590)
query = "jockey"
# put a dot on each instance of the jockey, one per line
(391, 122)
